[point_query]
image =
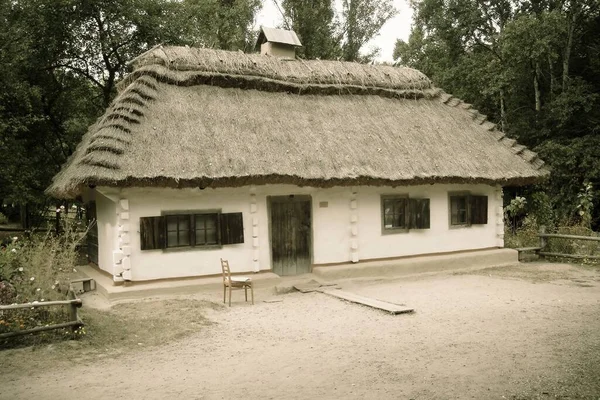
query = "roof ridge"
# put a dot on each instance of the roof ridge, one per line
(481, 119)
(186, 59)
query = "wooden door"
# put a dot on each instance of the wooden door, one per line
(291, 234)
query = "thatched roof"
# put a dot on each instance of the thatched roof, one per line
(209, 118)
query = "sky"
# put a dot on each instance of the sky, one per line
(396, 28)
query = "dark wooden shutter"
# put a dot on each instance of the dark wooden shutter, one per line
(478, 210)
(419, 213)
(232, 228)
(152, 233)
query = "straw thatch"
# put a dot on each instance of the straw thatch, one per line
(207, 118)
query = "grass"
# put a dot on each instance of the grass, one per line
(122, 329)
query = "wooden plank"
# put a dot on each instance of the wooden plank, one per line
(574, 237)
(75, 302)
(528, 248)
(73, 324)
(392, 308)
(578, 256)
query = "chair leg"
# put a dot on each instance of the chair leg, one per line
(246, 291)
(224, 291)
(252, 292)
(229, 296)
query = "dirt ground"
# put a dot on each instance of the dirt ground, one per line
(530, 331)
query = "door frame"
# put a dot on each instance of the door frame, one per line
(305, 197)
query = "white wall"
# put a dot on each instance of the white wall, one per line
(337, 226)
(106, 213)
(439, 238)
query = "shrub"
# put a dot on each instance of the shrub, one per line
(3, 219)
(36, 269)
(525, 236)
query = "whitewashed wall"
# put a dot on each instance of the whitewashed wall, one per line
(106, 214)
(346, 226)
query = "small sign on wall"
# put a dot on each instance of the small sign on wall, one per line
(323, 204)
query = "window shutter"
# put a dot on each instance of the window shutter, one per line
(232, 228)
(152, 233)
(479, 210)
(419, 213)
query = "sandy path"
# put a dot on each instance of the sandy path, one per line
(473, 336)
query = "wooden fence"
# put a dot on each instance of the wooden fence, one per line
(74, 321)
(543, 236)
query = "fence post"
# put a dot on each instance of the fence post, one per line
(542, 239)
(73, 310)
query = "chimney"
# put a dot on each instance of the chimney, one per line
(277, 42)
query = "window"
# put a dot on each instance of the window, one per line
(178, 230)
(395, 212)
(206, 229)
(191, 230)
(400, 213)
(467, 209)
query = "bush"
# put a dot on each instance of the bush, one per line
(571, 246)
(525, 236)
(3, 219)
(37, 269)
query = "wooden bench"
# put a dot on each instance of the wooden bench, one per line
(522, 250)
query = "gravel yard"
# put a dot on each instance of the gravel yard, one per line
(521, 332)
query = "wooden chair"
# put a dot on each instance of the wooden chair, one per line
(235, 282)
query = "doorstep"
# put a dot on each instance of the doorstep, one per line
(168, 287)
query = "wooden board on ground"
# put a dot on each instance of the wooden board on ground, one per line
(392, 308)
(312, 286)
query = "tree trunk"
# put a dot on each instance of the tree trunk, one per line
(536, 87)
(502, 112)
(568, 47)
(552, 80)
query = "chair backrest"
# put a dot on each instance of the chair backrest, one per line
(226, 271)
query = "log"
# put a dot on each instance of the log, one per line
(574, 237)
(73, 303)
(74, 324)
(578, 256)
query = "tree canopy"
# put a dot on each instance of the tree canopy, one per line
(532, 66)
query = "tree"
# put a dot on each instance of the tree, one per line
(361, 21)
(532, 67)
(327, 36)
(314, 23)
(58, 77)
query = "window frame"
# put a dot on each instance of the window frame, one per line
(191, 214)
(468, 195)
(393, 230)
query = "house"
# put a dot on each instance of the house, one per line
(282, 164)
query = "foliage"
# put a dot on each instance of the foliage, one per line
(314, 23)
(524, 236)
(361, 21)
(515, 209)
(586, 205)
(37, 269)
(3, 219)
(571, 246)
(531, 67)
(57, 78)
(326, 35)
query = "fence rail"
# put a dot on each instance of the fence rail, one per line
(543, 236)
(74, 322)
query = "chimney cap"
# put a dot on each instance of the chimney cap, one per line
(277, 36)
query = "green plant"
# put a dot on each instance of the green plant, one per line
(524, 236)
(541, 209)
(585, 207)
(514, 210)
(3, 219)
(37, 268)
